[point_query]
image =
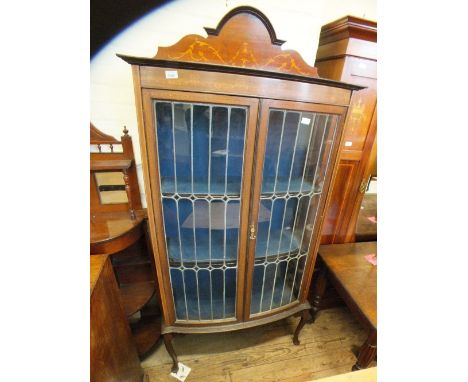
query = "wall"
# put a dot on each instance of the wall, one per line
(112, 98)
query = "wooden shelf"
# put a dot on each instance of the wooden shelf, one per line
(146, 333)
(135, 296)
(110, 165)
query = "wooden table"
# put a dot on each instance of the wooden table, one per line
(366, 226)
(113, 353)
(355, 279)
(367, 375)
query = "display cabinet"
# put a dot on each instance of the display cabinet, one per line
(239, 140)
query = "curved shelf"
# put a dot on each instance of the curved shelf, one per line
(135, 296)
(112, 232)
(146, 333)
(218, 263)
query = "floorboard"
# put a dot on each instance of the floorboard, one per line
(265, 353)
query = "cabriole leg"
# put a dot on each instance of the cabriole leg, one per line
(304, 317)
(170, 349)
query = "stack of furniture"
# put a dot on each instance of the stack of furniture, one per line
(119, 228)
(239, 141)
(348, 52)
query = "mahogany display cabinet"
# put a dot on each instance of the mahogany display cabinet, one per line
(239, 140)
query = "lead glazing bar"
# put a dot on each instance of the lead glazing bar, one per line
(294, 151)
(195, 254)
(308, 148)
(326, 166)
(191, 146)
(227, 152)
(279, 151)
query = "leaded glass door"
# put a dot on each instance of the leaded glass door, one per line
(294, 148)
(204, 155)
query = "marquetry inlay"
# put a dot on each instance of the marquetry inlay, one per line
(231, 45)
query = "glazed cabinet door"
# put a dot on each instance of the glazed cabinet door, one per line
(200, 150)
(296, 142)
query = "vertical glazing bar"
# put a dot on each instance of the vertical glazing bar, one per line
(285, 275)
(294, 278)
(279, 151)
(273, 287)
(191, 146)
(181, 257)
(294, 151)
(209, 209)
(318, 156)
(299, 251)
(224, 292)
(269, 227)
(177, 213)
(211, 293)
(209, 151)
(290, 244)
(278, 251)
(312, 128)
(224, 258)
(173, 148)
(227, 152)
(265, 262)
(195, 254)
(282, 227)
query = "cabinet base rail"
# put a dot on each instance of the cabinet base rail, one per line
(169, 331)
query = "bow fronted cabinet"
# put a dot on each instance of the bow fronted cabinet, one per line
(239, 140)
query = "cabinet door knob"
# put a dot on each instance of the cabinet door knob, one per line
(252, 230)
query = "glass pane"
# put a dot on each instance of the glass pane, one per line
(218, 150)
(200, 157)
(201, 153)
(297, 153)
(165, 146)
(272, 148)
(236, 150)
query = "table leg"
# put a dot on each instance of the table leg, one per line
(367, 352)
(319, 291)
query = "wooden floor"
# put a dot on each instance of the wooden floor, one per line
(267, 353)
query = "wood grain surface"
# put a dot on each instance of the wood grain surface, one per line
(266, 353)
(356, 277)
(113, 353)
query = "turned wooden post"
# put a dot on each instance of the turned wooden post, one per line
(367, 352)
(129, 194)
(319, 292)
